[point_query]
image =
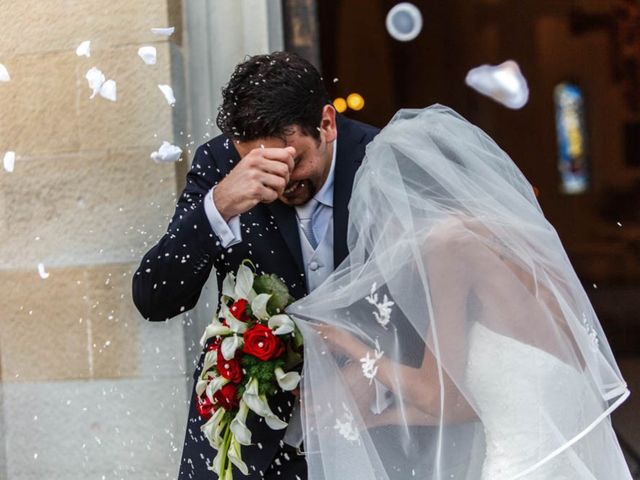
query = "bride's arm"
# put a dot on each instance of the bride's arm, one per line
(430, 387)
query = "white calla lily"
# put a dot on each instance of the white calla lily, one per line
(229, 286)
(239, 427)
(258, 404)
(281, 324)
(214, 385)
(230, 345)
(201, 386)
(287, 381)
(218, 461)
(244, 282)
(259, 306)
(210, 360)
(235, 325)
(211, 427)
(235, 456)
(214, 329)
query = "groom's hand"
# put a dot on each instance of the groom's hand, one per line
(261, 176)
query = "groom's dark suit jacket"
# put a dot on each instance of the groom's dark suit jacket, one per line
(172, 274)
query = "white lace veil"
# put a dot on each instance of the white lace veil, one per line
(455, 341)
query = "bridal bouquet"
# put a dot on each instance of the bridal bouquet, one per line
(252, 350)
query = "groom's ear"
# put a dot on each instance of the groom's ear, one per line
(328, 128)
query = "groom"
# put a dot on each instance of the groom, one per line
(273, 188)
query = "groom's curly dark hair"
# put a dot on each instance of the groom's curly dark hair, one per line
(268, 94)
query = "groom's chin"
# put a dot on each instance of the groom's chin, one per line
(300, 197)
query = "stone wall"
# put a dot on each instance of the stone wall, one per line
(90, 390)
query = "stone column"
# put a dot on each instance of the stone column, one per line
(220, 35)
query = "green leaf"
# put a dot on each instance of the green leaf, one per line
(272, 285)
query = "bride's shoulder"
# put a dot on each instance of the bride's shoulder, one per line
(456, 235)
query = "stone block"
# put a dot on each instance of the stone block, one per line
(84, 208)
(62, 25)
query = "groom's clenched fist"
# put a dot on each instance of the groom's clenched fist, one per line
(261, 176)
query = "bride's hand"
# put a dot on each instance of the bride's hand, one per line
(342, 342)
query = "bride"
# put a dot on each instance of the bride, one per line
(455, 341)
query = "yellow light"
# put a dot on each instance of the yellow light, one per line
(355, 101)
(340, 104)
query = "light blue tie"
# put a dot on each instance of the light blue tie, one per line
(305, 218)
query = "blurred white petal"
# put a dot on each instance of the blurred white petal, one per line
(163, 32)
(167, 91)
(95, 79)
(84, 49)
(4, 74)
(42, 272)
(148, 55)
(108, 90)
(281, 324)
(167, 153)
(504, 83)
(287, 381)
(9, 161)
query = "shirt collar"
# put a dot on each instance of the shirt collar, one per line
(325, 194)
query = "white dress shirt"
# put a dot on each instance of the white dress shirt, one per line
(230, 234)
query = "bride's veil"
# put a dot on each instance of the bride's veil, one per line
(455, 341)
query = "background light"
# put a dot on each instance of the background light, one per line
(404, 22)
(340, 104)
(355, 101)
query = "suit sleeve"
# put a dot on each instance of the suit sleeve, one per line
(172, 273)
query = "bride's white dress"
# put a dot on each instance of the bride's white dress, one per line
(502, 373)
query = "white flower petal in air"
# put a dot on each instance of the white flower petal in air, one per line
(167, 153)
(148, 55)
(9, 161)
(95, 79)
(167, 91)
(230, 345)
(42, 272)
(4, 74)
(287, 381)
(84, 49)
(163, 32)
(259, 306)
(281, 324)
(108, 90)
(504, 83)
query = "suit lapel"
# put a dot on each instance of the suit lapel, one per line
(349, 155)
(285, 217)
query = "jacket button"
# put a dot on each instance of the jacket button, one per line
(313, 266)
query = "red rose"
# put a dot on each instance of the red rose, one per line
(230, 369)
(227, 397)
(260, 342)
(239, 310)
(205, 407)
(215, 344)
